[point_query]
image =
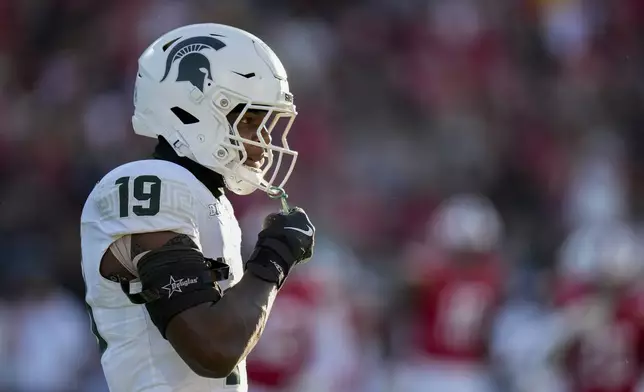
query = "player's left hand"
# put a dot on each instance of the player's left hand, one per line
(295, 229)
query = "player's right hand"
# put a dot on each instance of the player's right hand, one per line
(286, 239)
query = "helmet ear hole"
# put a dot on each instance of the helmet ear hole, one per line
(185, 117)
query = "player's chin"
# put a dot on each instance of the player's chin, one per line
(254, 164)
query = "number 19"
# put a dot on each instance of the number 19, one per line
(152, 195)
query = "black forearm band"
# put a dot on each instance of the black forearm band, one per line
(175, 278)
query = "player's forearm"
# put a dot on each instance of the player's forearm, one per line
(245, 309)
(214, 338)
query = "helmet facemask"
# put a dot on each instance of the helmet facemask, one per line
(261, 156)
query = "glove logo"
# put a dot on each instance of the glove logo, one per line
(308, 232)
(278, 267)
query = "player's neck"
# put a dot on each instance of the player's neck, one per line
(213, 181)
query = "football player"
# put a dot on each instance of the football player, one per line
(456, 280)
(601, 304)
(171, 303)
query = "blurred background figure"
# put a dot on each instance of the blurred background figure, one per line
(478, 163)
(600, 297)
(456, 282)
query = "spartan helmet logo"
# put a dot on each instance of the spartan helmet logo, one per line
(194, 66)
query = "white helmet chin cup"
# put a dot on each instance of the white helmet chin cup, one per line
(243, 183)
(188, 83)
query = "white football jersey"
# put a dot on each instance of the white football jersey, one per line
(148, 196)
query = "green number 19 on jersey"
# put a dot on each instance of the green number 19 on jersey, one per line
(145, 189)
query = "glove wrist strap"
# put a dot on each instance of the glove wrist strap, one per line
(267, 265)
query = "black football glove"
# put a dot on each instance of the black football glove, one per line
(286, 239)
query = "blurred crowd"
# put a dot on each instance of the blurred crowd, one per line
(473, 167)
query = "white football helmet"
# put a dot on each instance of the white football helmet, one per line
(191, 78)
(466, 222)
(602, 251)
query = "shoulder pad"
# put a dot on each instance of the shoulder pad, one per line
(145, 196)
